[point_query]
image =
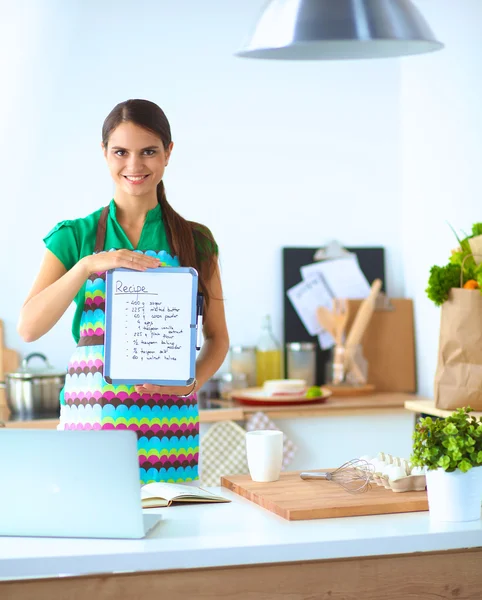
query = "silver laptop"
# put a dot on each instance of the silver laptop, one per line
(71, 484)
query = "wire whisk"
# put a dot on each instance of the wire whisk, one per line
(353, 476)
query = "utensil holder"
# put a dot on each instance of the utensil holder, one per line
(352, 369)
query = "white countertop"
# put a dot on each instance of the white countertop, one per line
(238, 533)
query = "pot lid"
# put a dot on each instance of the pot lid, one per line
(26, 371)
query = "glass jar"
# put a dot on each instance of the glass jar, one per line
(243, 361)
(335, 372)
(301, 361)
(231, 382)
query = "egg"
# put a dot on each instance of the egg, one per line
(385, 469)
(378, 465)
(396, 473)
(418, 471)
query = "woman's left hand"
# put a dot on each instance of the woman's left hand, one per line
(148, 388)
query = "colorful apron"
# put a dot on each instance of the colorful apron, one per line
(167, 427)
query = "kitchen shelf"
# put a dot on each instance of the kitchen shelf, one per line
(426, 406)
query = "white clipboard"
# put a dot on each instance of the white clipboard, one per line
(151, 326)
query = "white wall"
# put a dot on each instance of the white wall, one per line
(442, 152)
(266, 154)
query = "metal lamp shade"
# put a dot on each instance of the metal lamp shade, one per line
(339, 29)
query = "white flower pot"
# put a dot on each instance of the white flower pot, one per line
(455, 496)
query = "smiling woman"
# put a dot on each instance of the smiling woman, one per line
(137, 230)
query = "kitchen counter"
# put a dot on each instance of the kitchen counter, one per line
(220, 410)
(375, 422)
(205, 416)
(375, 403)
(240, 550)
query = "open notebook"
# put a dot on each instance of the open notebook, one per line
(158, 494)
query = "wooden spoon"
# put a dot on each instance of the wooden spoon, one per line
(340, 317)
(326, 320)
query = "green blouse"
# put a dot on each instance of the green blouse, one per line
(72, 240)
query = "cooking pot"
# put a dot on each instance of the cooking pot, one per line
(34, 392)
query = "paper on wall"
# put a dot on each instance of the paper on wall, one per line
(342, 276)
(305, 297)
(325, 340)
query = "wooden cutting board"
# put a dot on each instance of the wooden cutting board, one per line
(297, 500)
(9, 362)
(2, 371)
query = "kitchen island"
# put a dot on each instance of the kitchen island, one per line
(239, 550)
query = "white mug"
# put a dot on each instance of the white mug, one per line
(264, 450)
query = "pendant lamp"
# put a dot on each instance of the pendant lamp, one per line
(339, 29)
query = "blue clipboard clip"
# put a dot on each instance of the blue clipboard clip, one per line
(199, 319)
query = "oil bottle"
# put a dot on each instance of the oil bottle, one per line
(268, 354)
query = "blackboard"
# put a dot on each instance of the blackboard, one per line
(372, 264)
(150, 326)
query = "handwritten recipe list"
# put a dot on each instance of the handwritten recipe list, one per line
(150, 326)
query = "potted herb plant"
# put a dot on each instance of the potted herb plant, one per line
(451, 451)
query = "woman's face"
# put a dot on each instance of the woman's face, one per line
(136, 159)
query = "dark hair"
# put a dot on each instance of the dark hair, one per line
(191, 242)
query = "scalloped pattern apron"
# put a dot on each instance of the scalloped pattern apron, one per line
(167, 426)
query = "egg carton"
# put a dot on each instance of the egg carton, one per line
(396, 474)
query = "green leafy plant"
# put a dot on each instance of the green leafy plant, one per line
(460, 270)
(451, 443)
(441, 281)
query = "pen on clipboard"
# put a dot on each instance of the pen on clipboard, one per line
(199, 319)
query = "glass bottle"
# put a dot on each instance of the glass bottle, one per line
(268, 354)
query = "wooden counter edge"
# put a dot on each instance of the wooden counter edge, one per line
(205, 416)
(214, 415)
(383, 402)
(423, 575)
(427, 406)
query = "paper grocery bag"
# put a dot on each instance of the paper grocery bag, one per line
(458, 378)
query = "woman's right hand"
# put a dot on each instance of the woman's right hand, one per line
(127, 259)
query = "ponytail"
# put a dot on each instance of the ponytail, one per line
(191, 242)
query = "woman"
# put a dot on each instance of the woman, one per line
(137, 145)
